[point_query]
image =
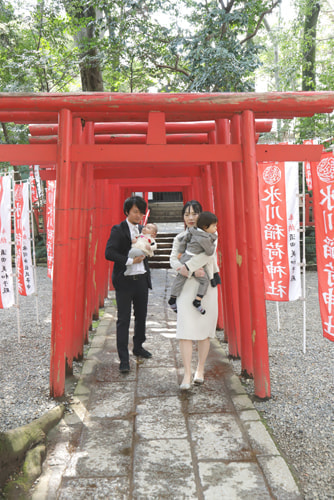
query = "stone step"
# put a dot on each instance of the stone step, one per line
(165, 211)
(159, 265)
(162, 252)
(164, 243)
(161, 257)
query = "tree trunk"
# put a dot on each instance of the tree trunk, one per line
(309, 45)
(90, 68)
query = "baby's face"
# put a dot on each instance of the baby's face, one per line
(149, 229)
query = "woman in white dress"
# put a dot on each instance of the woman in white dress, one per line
(191, 325)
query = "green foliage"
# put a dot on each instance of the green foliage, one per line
(174, 46)
(183, 46)
(284, 64)
(36, 54)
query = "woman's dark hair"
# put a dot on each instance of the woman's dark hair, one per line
(194, 204)
(134, 200)
(205, 219)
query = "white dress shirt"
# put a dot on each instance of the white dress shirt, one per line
(135, 268)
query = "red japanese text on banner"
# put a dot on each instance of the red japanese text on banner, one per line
(6, 274)
(50, 224)
(24, 268)
(323, 195)
(279, 209)
(34, 195)
(307, 167)
(35, 183)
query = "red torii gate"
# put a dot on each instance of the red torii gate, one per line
(86, 208)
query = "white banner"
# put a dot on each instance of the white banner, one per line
(279, 208)
(24, 268)
(6, 273)
(50, 224)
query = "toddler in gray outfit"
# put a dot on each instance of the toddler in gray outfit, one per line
(195, 241)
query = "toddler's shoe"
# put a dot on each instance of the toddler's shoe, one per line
(198, 305)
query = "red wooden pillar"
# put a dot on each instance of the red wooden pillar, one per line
(206, 183)
(242, 257)
(95, 242)
(105, 235)
(145, 196)
(115, 203)
(209, 205)
(61, 272)
(228, 218)
(89, 179)
(255, 262)
(103, 239)
(127, 192)
(197, 191)
(186, 194)
(98, 300)
(218, 211)
(75, 341)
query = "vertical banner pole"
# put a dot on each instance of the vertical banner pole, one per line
(255, 268)
(304, 263)
(16, 264)
(278, 319)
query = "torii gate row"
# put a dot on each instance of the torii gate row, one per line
(85, 209)
(166, 185)
(182, 183)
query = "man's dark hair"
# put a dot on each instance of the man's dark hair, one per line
(194, 204)
(205, 219)
(134, 200)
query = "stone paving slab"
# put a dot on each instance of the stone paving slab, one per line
(233, 481)
(157, 382)
(160, 418)
(102, 405)
(163, 469)
(218, 436)
(94, 489)
(104, 450)
(136, 436)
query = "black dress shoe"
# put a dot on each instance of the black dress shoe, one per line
(124, 367)
(142, 353)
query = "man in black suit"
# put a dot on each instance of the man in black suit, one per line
(131, 289)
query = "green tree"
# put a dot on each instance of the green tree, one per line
(312, 9)
(299, 56)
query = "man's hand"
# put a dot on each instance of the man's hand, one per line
(138, 259)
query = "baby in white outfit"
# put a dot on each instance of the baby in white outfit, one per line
(143, 244)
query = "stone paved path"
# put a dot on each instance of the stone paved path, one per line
(137, 436)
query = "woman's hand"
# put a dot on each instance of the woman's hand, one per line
(199, 273)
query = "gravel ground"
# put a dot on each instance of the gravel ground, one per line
(25, 357)
(299, 414)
